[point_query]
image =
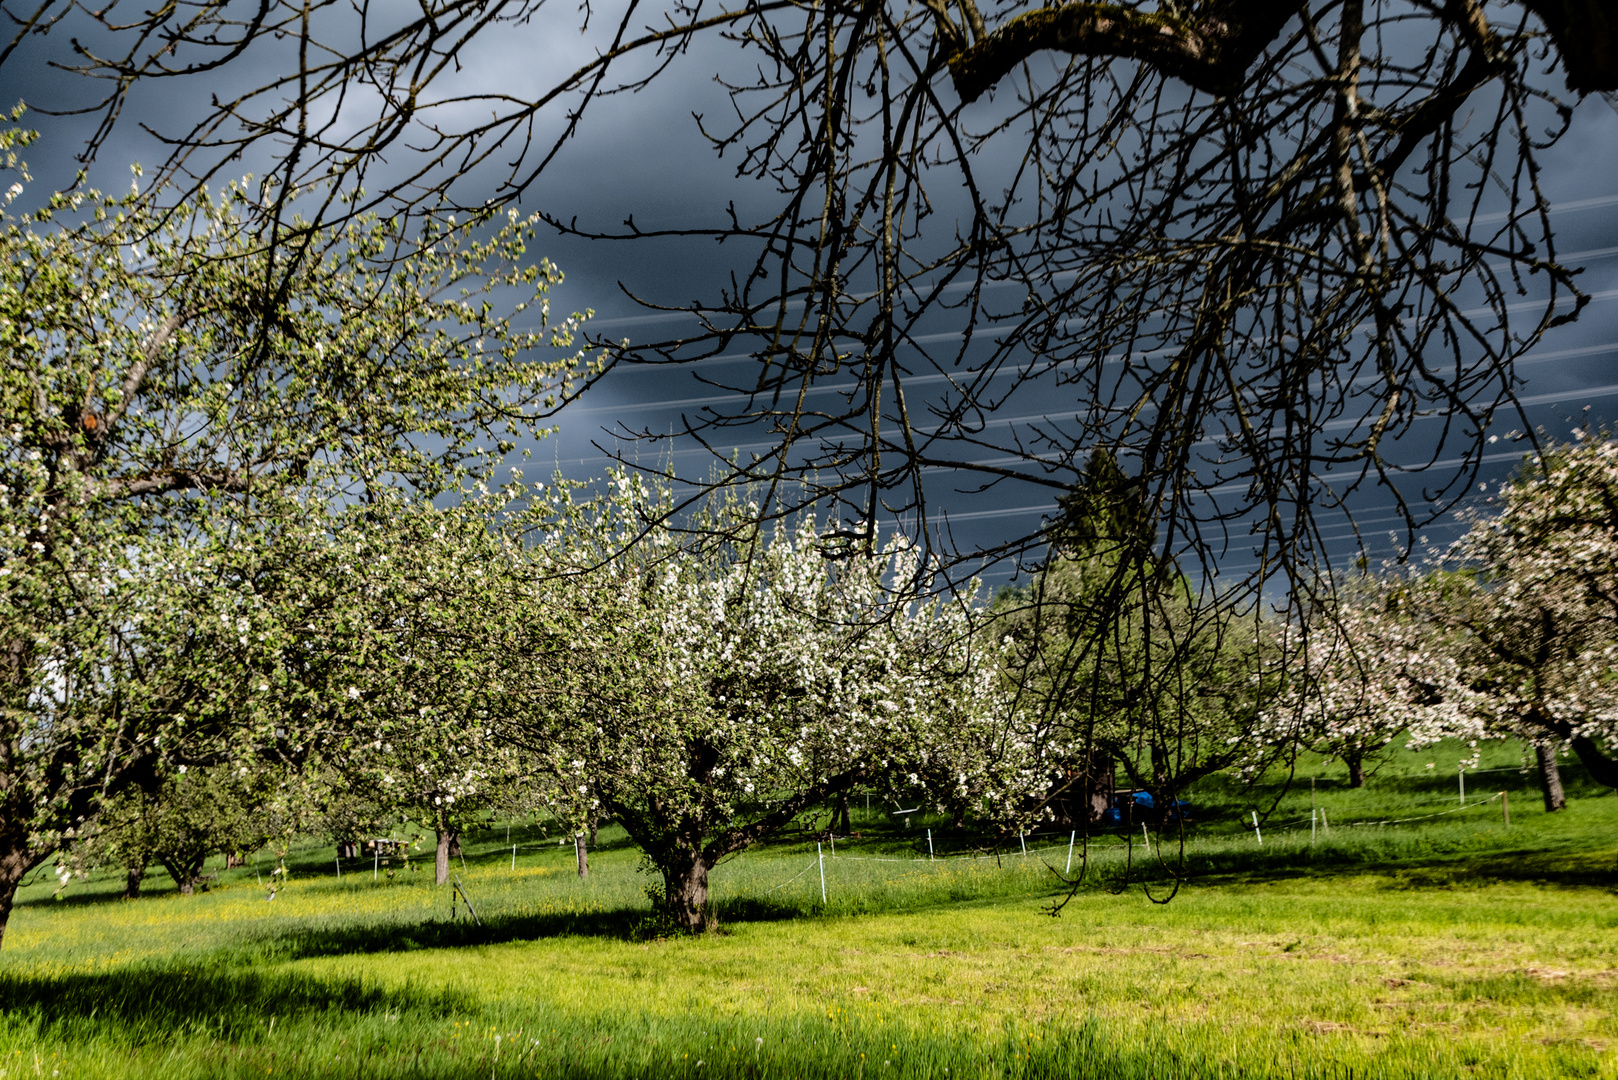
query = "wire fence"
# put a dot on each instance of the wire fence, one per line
(1058, 848)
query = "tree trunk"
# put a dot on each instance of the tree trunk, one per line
(591, 824)
(180, 868)
(1356, 768)
(685, 892)
(16, 859)
(447, 839)
(135, 872)
(1550, 778)
(581, 851)
(841, 822)
(1160, 768)
(185, 870)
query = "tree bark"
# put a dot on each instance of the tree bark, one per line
(1586, 36)
(840, 820)
(1550, 777)
(134, 874)
(1213, 49)
(685, 892)
(581, 852)
(1210, 51)
(16, 859)
(446, 838)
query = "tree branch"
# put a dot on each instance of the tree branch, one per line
(1586, 37)
(1210, 51)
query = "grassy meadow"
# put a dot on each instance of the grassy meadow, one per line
(1445, 946)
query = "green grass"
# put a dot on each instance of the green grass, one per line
(1448, 947)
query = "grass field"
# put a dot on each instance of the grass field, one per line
(1448, 946)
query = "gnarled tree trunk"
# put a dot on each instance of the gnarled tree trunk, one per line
(685, 889)
(185, 870)
(1550, 777)
(581, 852)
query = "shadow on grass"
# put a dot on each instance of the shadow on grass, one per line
(1404, 869)
(151, 1001)
(105, 891)
(622, 924)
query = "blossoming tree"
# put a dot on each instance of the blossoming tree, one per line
(1534, 606)
(719, 688)
(1368, 666)
(1511, 633)
(169, 429)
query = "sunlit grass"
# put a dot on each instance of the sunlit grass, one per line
(1454, 947)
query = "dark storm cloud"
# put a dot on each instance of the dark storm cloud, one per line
(642, 154)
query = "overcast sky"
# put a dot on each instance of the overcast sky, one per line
(641, 154)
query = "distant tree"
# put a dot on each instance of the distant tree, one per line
(1124, 663)
(1533, 609)
(1365, 662)
(1510, 633)
(196, 813)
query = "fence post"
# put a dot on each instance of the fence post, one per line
(1311, 824)
(1461, 772)
(376, 859)
(929, 845)
(339, 862)
(513, 858)
(1070, 838)
(821, 857)
(1256, 832)
(1021, 840)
